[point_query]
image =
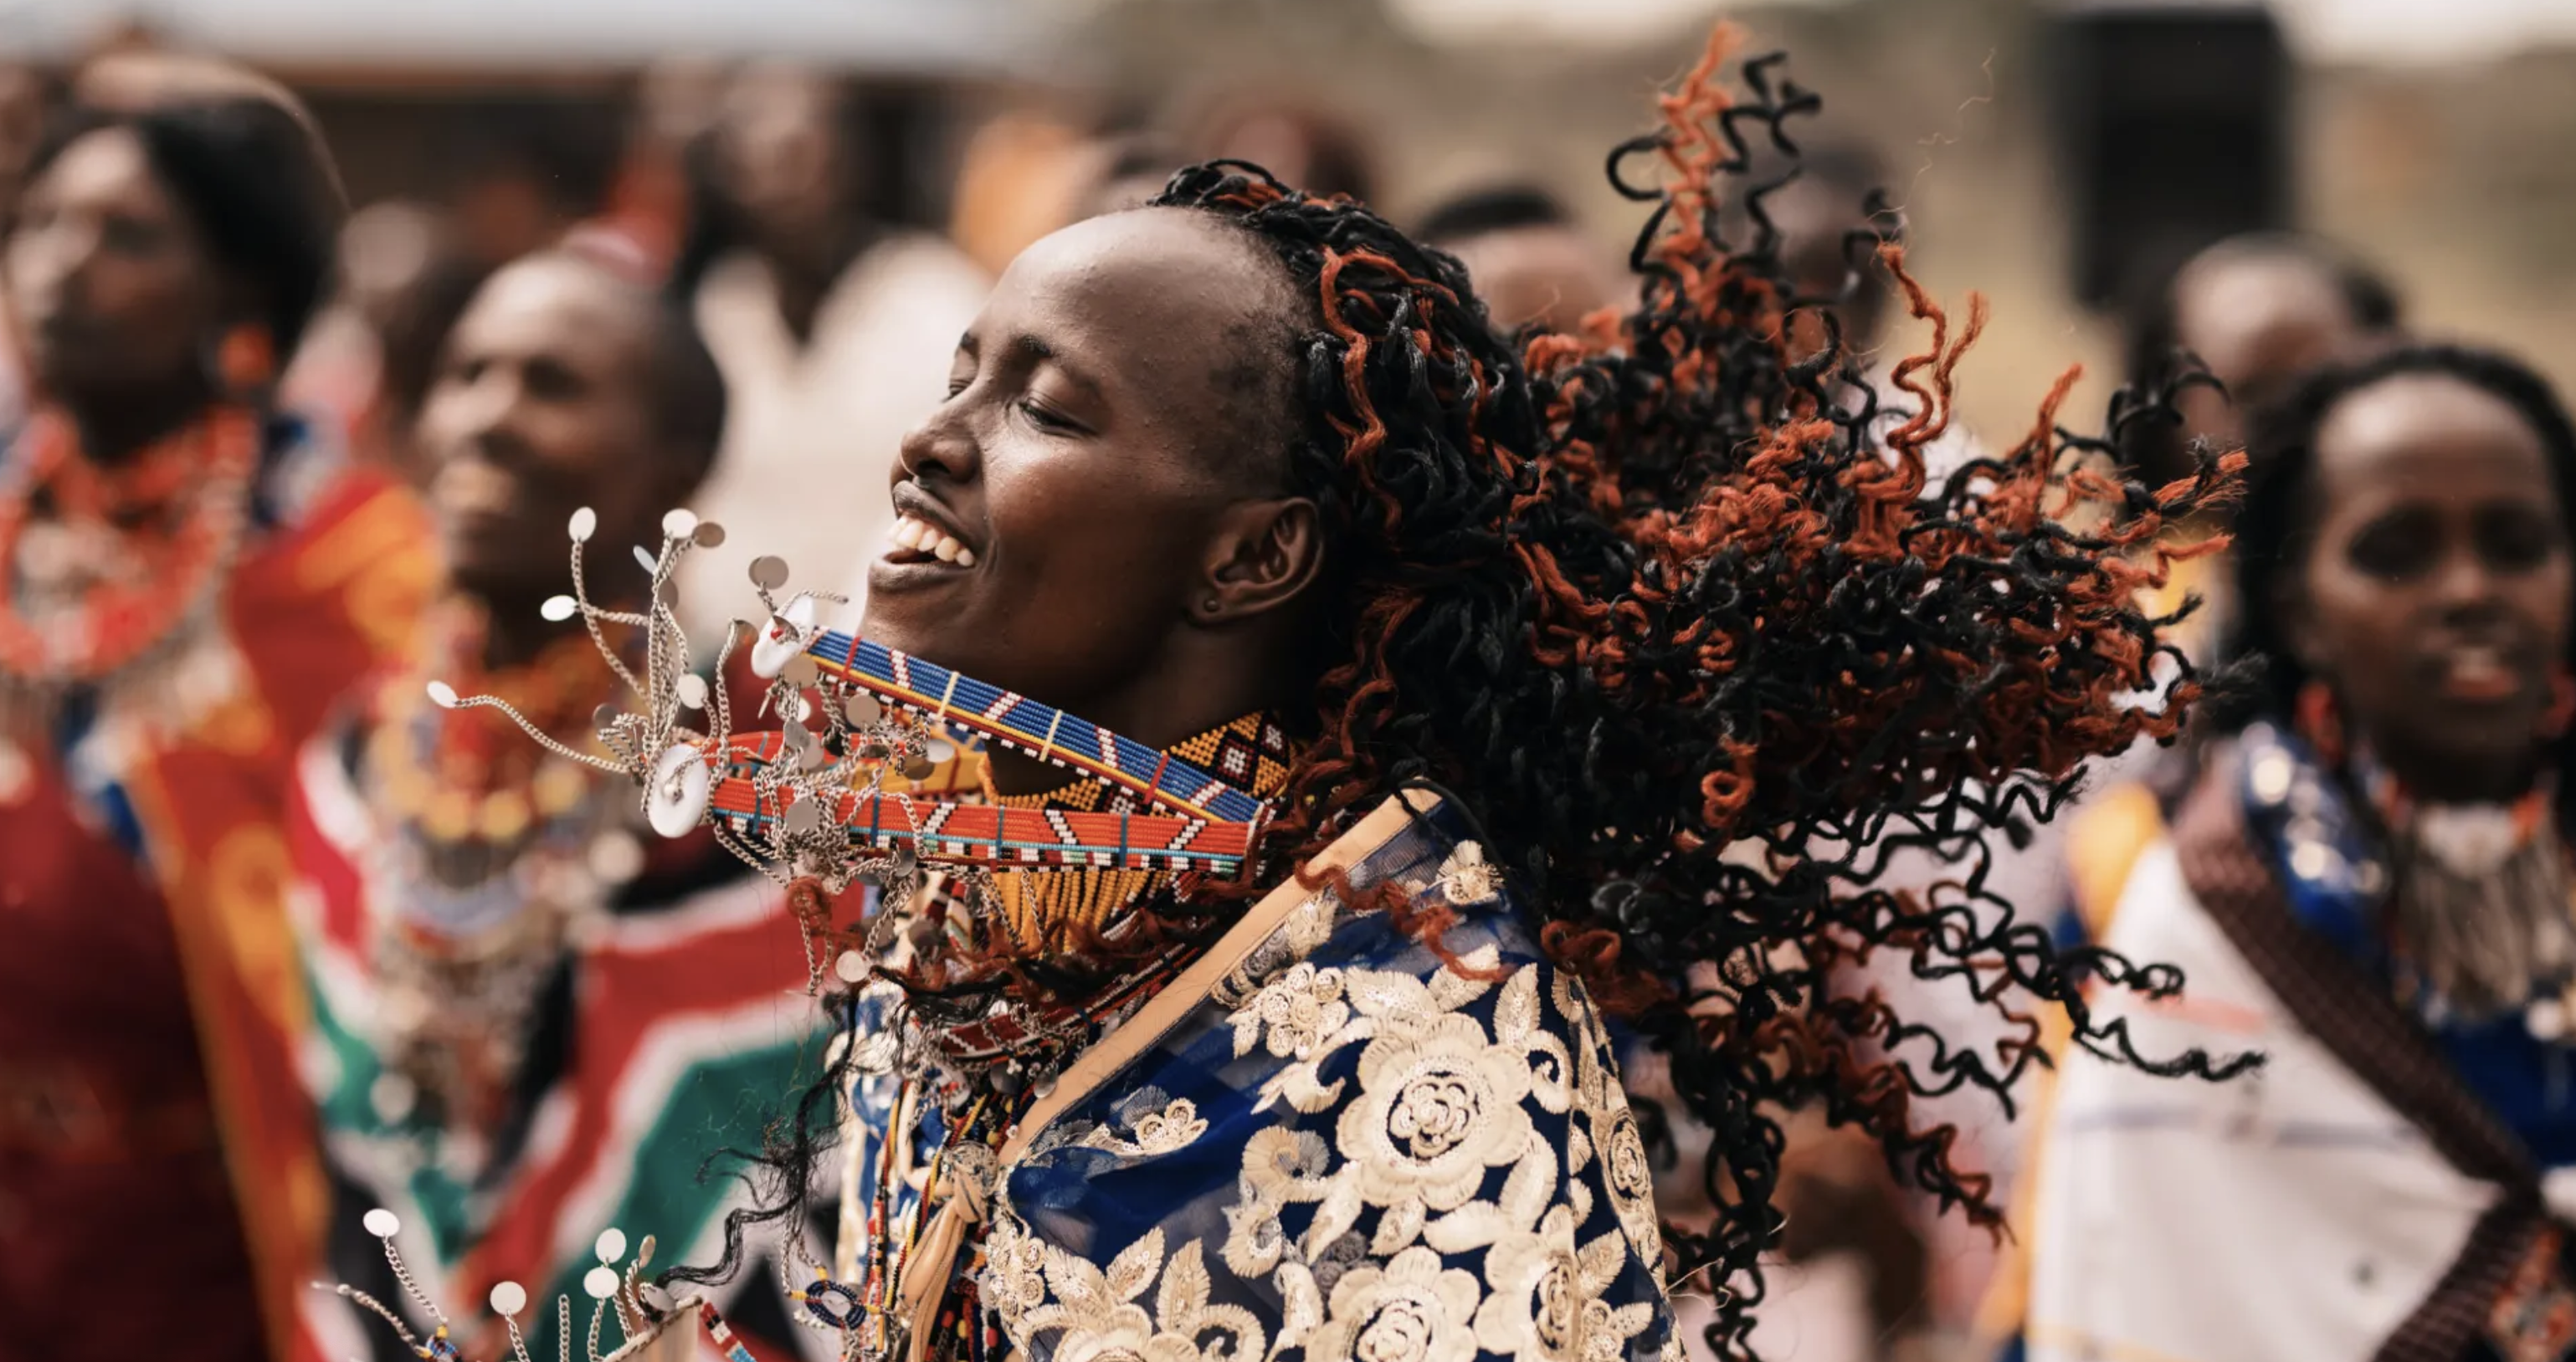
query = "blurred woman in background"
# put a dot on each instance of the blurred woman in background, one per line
(535, 1017)
(187, 579)
(2369, 884)
(832, 330)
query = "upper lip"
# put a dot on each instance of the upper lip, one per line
(911, 500)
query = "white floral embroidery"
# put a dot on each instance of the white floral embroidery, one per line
(1396, 1107)
(1293, 1013)
(1546, 1297)
(1411, 1310)
(1170, 1129)
(1100, 1316)
(1281, 1168)
(1309, 926)
(1609, 1128)
(1466, 878)
(1441, 1100)
(1014, 1271)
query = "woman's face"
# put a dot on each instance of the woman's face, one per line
(111, 285)
(2436, 591)
(544, 403)
(1120, 395)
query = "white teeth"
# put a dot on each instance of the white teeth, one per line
(920, 536)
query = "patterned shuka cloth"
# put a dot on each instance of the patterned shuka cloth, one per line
(665, 1029)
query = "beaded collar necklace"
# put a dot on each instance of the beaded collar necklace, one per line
(487, 857)
(126, 562)
(809, 803)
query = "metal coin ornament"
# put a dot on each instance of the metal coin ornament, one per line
(676, 797)
(784, 640)
(816, 798)
(643, 1313)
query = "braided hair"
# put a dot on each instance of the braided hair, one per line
(2273, 525)
(1655, 590)
(1658, 591)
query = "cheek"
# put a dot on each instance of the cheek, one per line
(2546, 599)
(1087, 573)
(2356, 627)
(160, 307)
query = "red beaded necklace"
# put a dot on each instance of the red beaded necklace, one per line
(179, 508)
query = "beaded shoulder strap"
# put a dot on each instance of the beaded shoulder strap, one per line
(1026, 725)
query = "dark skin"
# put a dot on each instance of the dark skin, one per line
(1551, 274)
(544, 404)
(2259, 320)
(116, 295)
(2436, 589)
(1112, 455)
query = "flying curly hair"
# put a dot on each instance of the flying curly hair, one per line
(1681, 617)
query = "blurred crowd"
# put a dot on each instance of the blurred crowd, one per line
(723, 300)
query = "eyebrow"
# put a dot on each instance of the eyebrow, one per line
(1033, 351)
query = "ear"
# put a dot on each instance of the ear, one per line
(1262, 555)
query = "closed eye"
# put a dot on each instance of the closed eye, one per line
(1048, 419)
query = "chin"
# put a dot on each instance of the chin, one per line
(902, 621)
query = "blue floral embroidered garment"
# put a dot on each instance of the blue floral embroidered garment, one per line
(1322, 1142)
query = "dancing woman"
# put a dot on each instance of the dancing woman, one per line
(1535, 685)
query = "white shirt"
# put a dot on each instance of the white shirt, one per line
(812, 431)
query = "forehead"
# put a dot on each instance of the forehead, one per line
(104, 161)
(2418, 436)
(775, 100)
(1153, 302)
(558, 307)
(2238, 314)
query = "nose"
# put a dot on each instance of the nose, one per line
(479, 416)
(2466, 584)
(939, 445)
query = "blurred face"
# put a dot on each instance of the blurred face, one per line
(783, 159)
(1094, 437)
(1549, 275)
(2436, 591)
(543, 405)
(111, 286)
(2259, 323)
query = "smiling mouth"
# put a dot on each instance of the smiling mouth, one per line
(914, 540)
(2479, 674)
